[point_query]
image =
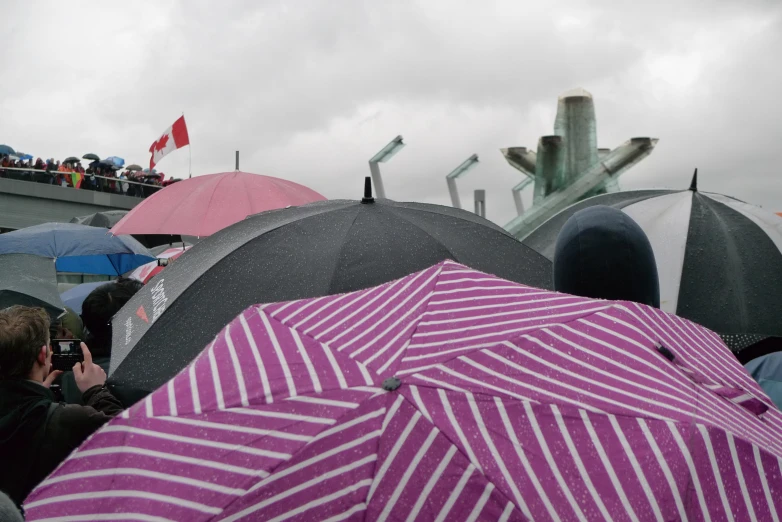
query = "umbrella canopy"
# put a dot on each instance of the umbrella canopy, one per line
(71, 159)
(767, 371)
(30, 281)
(133, 167)
(74, 297)
(203, 205)
(719, 259)
(5, 149)
(106, 219)
(77, 248)
(114, 160)
(91, 156)
(319, 249)
(447, 395)
(146, 272)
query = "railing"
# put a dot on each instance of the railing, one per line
(103, 184)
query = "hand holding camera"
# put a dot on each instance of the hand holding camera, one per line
(88, 374)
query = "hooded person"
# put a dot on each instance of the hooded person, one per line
(36, 432)
(602, 253)
(97, 310)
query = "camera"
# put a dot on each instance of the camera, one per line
(66, 353)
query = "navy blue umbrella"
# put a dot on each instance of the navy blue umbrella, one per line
(78, 248)
(767, 370)
(74, 297)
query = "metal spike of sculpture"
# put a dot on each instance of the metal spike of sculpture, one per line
(568, 167)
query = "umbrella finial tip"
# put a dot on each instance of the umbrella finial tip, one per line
(368, 191)
(694, 183)
(665, 352)
(391, 384)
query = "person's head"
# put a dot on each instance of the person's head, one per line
(102, 304)
(24, 344)
(602, 253)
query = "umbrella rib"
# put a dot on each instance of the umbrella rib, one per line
(335, 353)
(511, 339)
(209, 203)
(272, 469)
(404, 218)
(429, 211)
(341, 249)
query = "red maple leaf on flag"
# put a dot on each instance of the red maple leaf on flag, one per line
(161, 143)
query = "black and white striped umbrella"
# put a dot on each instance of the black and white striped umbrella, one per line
(719, 259)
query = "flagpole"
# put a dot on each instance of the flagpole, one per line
(189, 155)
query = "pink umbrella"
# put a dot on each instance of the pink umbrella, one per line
(447, 395)
(203, 205)
(146, 272)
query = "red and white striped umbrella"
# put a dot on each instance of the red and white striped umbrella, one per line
(146, 272)
(447, 395)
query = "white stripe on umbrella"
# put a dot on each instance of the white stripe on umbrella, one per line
(258, 360)
(665, 220)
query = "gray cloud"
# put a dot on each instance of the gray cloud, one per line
(311, 92)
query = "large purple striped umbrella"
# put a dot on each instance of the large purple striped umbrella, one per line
(447, 395)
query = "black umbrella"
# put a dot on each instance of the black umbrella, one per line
(134, 167)
(71, 159)
(719, 259)
(322, 248)
(91, 156)
(105, 219)
(29, 281)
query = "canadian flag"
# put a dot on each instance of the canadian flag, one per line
(174, 138)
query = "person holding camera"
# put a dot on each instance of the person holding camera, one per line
(37, 433)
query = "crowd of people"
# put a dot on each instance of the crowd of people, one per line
(97, 176)
(45, 414)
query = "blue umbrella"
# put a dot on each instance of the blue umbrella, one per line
(78, 248)
(74, 297)
(114, 160)
(767, 371)
(25, 157)
(5, 149)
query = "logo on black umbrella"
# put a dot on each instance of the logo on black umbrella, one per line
(159, 300)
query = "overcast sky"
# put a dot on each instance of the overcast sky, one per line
(309, 90)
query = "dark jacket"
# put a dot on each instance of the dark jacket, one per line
(70, 392)
(603, 254)
(34, 441)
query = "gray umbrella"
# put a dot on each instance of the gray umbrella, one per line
(30, 281)
(106, 219)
